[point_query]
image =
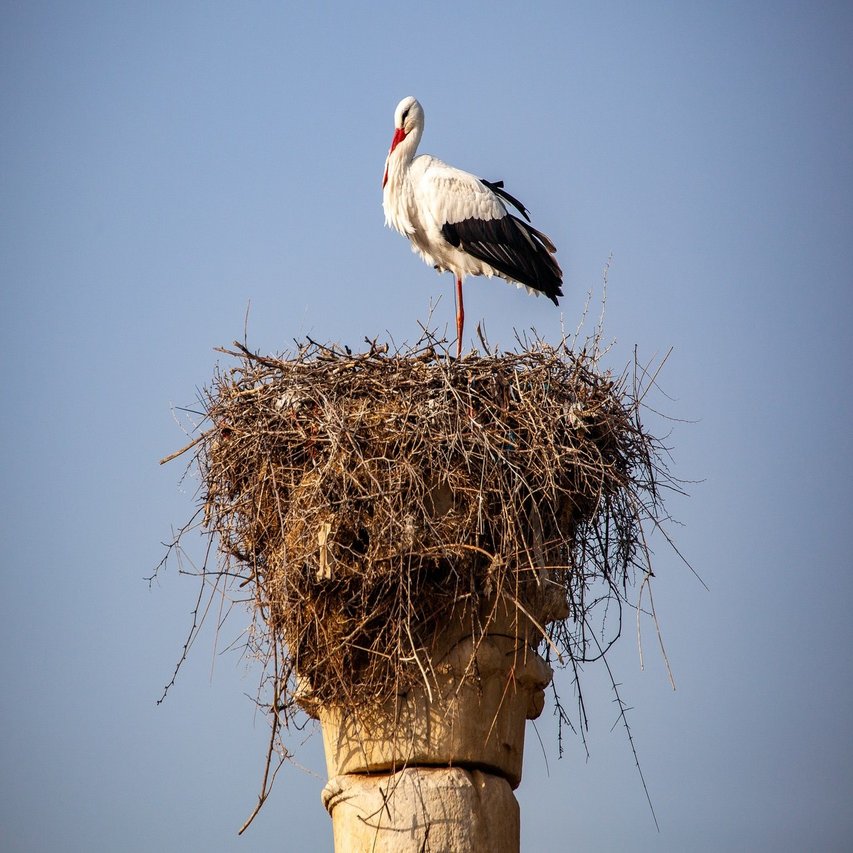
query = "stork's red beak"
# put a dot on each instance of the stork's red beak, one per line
(399, 136)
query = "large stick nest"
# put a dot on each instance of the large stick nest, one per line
(359, 499)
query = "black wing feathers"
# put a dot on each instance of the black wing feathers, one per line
(497, 187)
(512, 247)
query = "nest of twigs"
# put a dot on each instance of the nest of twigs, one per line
(360, 498)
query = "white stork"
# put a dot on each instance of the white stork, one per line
(458, 222)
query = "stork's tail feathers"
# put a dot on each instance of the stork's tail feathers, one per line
(547, 275)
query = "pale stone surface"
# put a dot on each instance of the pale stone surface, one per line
(469, 721)
(443, 810)
(471, 710)
(403, 778)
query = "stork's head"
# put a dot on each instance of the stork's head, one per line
(408, 125)
(408, 115)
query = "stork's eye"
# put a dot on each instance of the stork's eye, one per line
(403, 117)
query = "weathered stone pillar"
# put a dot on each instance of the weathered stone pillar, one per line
(435, 769)
(423, 808)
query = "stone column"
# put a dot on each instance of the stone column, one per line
(447, 809)
(435, 769)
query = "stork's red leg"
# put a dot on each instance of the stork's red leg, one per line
(460, 316)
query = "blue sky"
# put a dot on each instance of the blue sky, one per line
(166, 167)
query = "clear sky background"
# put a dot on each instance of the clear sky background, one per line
(164, 165)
